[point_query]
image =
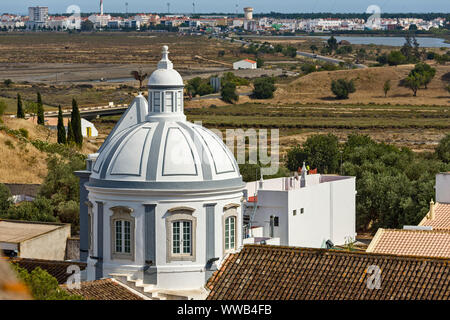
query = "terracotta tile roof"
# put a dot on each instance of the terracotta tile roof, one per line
(424, 243)
(248, 60)
(441, 219)
(282, 273)
(57, 269)
(105, 289)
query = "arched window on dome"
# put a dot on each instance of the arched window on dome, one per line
(122, 233)
(181, 227)
(229, 227)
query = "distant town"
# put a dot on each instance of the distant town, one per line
(39, 19)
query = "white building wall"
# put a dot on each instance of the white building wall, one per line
(170, 275)
(312, 228)
(328, 210)
(343, 208)
(244, 65)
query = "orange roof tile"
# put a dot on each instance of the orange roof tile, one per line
(285, 273)
(423, 243)
(105, 289)
(441, 219)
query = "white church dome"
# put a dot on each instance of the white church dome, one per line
(154, 147)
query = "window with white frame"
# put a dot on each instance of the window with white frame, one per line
(181, 230)
(230, 233)
(229, 223)
(156, 101)
(122, 233)
(169, 101)
(179, 101)
(181, 237)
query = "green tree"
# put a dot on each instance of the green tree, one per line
(20, 111)
(318, 151)
(5, 199)
(40, 110)
(396, 58)
(264, 88)
(386, 87)
(295, 158)
(70, 136)
(3, 107)
(42, 285)
(204, 89)
(8, 82)
(426, 72)
(413, 82)
(290, 52)
(259, 62)
(140, 76)
(40, 209)
(322, 152)
(443, 149)
(313, 48)
(76, 123)
(61, 128)
(228, 92)
(278, 48)
(332, 43)
(341, 88)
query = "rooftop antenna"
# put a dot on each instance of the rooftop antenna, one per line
(237, 6)
(126, 9)
(193, 8)
(101, 7)
(168, 7)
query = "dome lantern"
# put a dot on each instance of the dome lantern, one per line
(165, 92)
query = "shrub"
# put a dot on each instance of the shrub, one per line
(341, 88)
(5, 199)
(443, 149)
(264, 88)
(42, 285)
(395, 58)
(8, 82)
(228, 92)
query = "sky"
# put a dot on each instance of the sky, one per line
(229, 6)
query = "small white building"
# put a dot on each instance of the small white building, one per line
(245, 64)
(288, 212)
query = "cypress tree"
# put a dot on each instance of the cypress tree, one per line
(40, 110)
(76, 123)
(70, 137)
(61, 129)
(20, 112)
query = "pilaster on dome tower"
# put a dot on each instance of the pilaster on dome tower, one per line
(165, 92)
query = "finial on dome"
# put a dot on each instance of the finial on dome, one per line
(165, 63)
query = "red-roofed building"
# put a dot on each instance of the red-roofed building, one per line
(245, 64)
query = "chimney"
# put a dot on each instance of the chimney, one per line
(303, 177)
(432, 215)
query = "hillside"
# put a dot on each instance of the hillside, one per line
(315, 87)
(21, 162)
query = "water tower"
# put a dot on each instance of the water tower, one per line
(248, 13)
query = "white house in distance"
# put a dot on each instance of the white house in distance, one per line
(161, 200)
(88, 129)
(304, 211)
(245, 64)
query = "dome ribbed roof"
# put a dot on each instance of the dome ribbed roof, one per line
(146, 150)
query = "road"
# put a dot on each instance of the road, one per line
(304, 54)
